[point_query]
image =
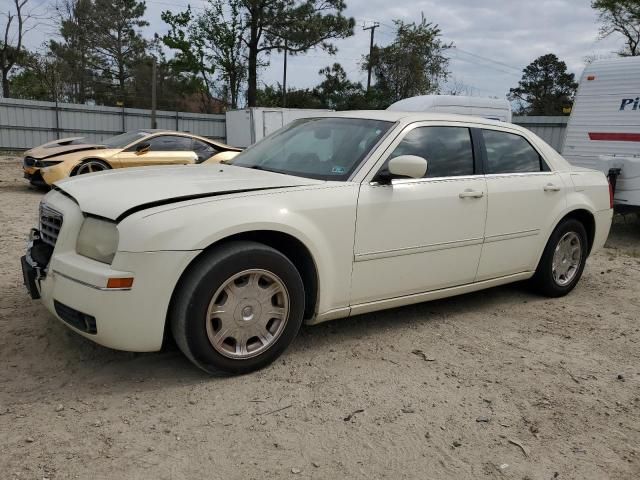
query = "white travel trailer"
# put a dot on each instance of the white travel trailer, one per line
(491, 108)
(604, 128)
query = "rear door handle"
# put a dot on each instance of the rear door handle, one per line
(471, 194)
(550, 187)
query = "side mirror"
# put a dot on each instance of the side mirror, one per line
(142, 147)
(410, 166)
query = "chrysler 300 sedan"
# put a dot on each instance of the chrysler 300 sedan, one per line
(331, 216)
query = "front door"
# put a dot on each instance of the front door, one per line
(418, 235)
(158, 150)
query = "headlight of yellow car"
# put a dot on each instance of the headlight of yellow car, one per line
(98, 239)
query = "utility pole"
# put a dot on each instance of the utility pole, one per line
(373, 29)
(154, 124)
(284, 76)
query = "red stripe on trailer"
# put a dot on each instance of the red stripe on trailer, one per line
(615, 137)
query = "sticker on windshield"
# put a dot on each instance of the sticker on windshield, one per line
(337, 170)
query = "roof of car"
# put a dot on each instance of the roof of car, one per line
(150, 131)
(395, 116)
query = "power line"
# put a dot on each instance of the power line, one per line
(486, 59)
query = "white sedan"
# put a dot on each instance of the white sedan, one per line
(329, 217)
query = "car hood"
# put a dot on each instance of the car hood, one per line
(45, 151)
(116, 194)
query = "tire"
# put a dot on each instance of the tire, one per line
(571, 236)
(238, 308)
(91, 166)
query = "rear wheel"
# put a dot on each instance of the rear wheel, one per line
(237, 308)
(563, 259)
(91, 166)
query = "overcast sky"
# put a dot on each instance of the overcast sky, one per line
(495, 39)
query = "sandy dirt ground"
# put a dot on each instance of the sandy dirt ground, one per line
(499, 384)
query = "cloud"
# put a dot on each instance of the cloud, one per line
(495, 39)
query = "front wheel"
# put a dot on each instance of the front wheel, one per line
(91, 166)
(237, 308)
(563, 259)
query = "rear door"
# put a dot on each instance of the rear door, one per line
(159, 150)
(524, 197)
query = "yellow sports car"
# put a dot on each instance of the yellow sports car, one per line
(59, 159)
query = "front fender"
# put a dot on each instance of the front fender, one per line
(322, 218)
(58, 172)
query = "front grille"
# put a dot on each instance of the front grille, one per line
(50, 224)
(76, 319)
(29, 162)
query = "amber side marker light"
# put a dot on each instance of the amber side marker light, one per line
(591, 77)
(120, 282)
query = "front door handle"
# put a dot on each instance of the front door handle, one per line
(550, 187)
(471, 194)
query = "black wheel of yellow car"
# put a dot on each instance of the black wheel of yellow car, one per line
(91, 166)
(237, 308)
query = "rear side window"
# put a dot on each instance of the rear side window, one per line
(203, 150)
(510, 153)
(448, 150)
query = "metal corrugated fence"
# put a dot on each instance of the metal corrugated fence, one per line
(28, 123)
(551, 129)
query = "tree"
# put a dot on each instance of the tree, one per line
(622, 17)
(336, 91)
(293, 26)
(271, 96)
(11, 47)
(38, 77)
(413, 64)
(75, 52)
(546, 87)
(208, 43)
(116, 40)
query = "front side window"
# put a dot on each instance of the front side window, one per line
(168, 143)
(323, 148)
(448, 150)
(122, 140)
(510, 153)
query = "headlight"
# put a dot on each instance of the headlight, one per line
(98, 239)
(47, 163)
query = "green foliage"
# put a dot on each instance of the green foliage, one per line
(337, 92)
(38, 77)
(116, 39)
(290, 25)
(413, 64)
(622, 17)
(75, 53)
(208, 43)
(546, 88)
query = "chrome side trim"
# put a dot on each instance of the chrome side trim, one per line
(361, 308)
(518, 174)
(330, 315)
(511, 236)
(95, 287)
(405, 181)
(363, 257)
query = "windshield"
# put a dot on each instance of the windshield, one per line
(321, 148)
(122, 140)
